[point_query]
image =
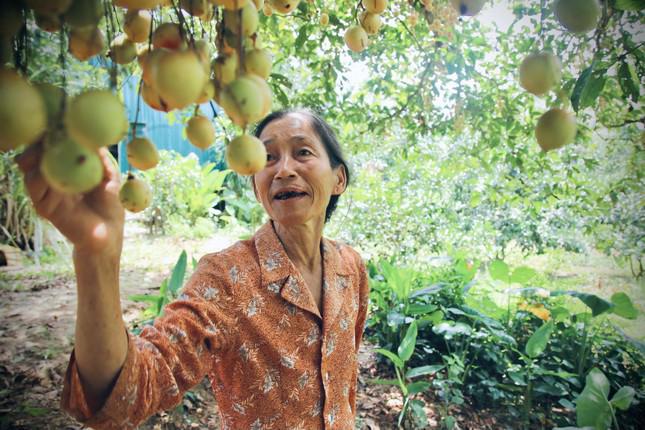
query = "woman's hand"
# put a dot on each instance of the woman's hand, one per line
(94, 221)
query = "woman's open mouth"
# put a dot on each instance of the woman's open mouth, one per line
(289, 195)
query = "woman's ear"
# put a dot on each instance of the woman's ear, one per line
(341, 180)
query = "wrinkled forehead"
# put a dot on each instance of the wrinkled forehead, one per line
(289, 126)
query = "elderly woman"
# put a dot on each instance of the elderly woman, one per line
(274, 321)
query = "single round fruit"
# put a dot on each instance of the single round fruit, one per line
(95, 118)
(84, 13)
(413, 18)
(284, 6)
(53, 100)
(539, 72)
(555, 128)
(258, 62)
(123, 50)
(200, 132)
(265, 92)
(23, 114)
(375, 6)
(225, 68)
(468, 7)
(137, 25)
(142, 153)
(371, 22)
(168, 35)
(356, 38)
(324, 19)
(69, 167)
(230, 4)
(48, 23)
(194, 7)
(245, 23)
(152, 98)
(147, 59)
(49, 7)
(179, 78)
(246, 155)
(578, 16)
(135, 194)
(243, 101)
(85, 43)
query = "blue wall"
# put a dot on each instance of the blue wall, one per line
(156, 126)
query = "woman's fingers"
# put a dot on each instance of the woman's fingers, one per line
(36, 185)
(30, 157)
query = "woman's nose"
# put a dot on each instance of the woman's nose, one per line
(286, 167)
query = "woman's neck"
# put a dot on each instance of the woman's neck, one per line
(302, 243)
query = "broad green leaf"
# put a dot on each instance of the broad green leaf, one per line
(522, 275)
(409, 342)
(419, 309)
(623, 306)
(449, 329)
(392, 356)
(499, 270)
(630, 4)
(628, 80)
(592, 406)
(594, 87)
(623, 398)
(573, 428)
(151, 298)
(424, 370)
(394, 382)
(579, 87)
(178, 273)
(595, 303)
(418, 387)
(537, 342)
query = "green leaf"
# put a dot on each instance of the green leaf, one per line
(499, 270)
(303, 35)
(623, 398)
(392, 356)
(593, 88)
(419, 309)
(623, 306)
(178, 273)
(630, 4)
(592, 406)
(409, 342)
(522, 275)
(628, 80)
(424, 370)
(537, 342)
(579, 87)
(449, 329)
(151, 298)
(418, 387)
(596, 304)
(394, 382)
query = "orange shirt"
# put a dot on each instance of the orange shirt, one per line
(247, 320)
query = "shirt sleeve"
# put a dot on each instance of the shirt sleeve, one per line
(165, 360)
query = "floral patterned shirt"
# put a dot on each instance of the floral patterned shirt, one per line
(247, 320)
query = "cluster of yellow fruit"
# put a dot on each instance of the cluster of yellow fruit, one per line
(356, 36)
(542, 71)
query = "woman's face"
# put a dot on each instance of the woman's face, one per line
(295, 185)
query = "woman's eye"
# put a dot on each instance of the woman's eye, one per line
(269, 157)
(304, 152)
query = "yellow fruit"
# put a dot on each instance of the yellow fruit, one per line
(142, 153)
(246, 155)
(48, 23)
(230, 4)
(168, 35)
(577, 16)
(69, 167)
(375, 6)
(324, 19)
(371, 22)
(246, 23)
(555, 128)
(356, 38)
(95, 118)
(49, 7)
(53, 101)
(259, 4)
(243, 101)
(225, 68)
(84, 43)
(10, 19)
(152, 98)
(204, 55)
(265, 92)
(135, 194)
(84, 13)
(258, 62)
(539, 72)
(208, 93)
(137, 4)
(468, 7)
(200, 132)
(136, 25)
(194, 7)
(122, 50)
(284, 6)
(267, 10)
(413, 18)
(179, 77)
(23, 114)
(147, 59)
